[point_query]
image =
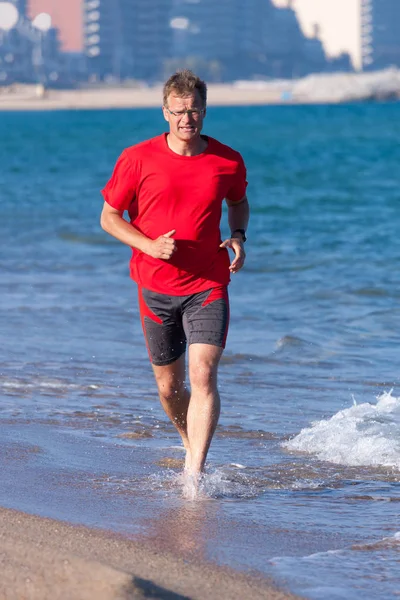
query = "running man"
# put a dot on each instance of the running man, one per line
(173, 187)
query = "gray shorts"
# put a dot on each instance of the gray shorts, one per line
(169, 322)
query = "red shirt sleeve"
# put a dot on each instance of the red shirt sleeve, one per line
(238, 189)
(120, 190)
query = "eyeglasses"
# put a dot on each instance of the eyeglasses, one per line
(194, 112)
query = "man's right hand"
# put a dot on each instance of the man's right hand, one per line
(163, 247)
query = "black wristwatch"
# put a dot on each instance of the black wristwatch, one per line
(242, 232)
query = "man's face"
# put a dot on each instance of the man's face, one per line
(185, 126)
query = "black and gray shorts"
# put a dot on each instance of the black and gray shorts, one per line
(169, 322)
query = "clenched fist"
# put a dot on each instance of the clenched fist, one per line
(163, 247)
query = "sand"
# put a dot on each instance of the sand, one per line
(325, 88)
(44, 559)
(33, 98)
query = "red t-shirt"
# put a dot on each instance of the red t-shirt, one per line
(162, 190)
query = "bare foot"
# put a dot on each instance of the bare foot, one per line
(191, 482)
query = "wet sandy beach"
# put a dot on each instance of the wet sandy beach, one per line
(46, 559)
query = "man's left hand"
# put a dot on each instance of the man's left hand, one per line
(237, 246)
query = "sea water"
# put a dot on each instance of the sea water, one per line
(303, 473)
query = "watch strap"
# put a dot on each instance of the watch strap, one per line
(241, 231)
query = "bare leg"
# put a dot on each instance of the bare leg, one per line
(174, 397)
(204, 406)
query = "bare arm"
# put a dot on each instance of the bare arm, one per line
(238, 214)
(113, 223)
(238, 218)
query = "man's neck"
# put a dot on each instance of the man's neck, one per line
(192, 148)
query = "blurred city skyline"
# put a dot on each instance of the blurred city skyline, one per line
(338, 20)
(143, 40)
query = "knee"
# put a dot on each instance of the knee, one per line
(169, 389)
(203, 376)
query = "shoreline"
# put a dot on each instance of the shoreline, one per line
(47, 559)
(320, 88)
(31, 98)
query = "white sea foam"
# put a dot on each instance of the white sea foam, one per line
(39, 384)
(363, 435)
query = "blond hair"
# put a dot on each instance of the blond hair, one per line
(184, 83)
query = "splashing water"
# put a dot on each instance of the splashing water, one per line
(218, 483)
(362, 435)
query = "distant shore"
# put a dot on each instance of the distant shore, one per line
(44, 559)
(331, 88)
(33, 98)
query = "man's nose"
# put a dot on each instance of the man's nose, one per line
(187, 117)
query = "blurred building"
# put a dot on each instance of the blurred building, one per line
(30, 52)
(203, 36)
(116, 40)
(66, 16)
(223, 40)
(126, 38)
(380, 33)
(236, 39)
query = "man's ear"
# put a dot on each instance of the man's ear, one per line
(165, 113)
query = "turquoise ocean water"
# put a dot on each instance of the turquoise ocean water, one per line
(304, 471)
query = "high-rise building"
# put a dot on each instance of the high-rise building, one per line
(380, 33)
(242, 39)
(126, 38)
(204, 28)
(227, 39)
(66, 17)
